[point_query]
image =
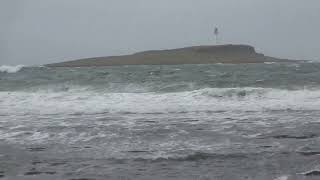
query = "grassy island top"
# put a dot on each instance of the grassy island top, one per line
(234, 54)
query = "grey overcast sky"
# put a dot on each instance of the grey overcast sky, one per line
(42, 31)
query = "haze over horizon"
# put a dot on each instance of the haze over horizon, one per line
(45, 31)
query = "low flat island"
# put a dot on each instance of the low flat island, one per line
(231, 54)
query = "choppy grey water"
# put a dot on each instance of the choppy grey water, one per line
(219, 122)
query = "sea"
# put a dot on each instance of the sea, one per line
(179, 122)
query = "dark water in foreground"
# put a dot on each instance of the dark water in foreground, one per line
(188, 122)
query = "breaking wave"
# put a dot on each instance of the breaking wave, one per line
(84, 101)
(11, 69)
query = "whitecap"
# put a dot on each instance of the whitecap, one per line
(285, 177)
(11, 69)
(205, 100)
(269, 63)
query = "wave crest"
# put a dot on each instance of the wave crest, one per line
(87, 101)
(11, 69)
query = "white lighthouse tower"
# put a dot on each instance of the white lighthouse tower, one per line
(216, 34)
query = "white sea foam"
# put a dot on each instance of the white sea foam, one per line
(269, 62)
(210, 99)
(285, 177)
(11, 69)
